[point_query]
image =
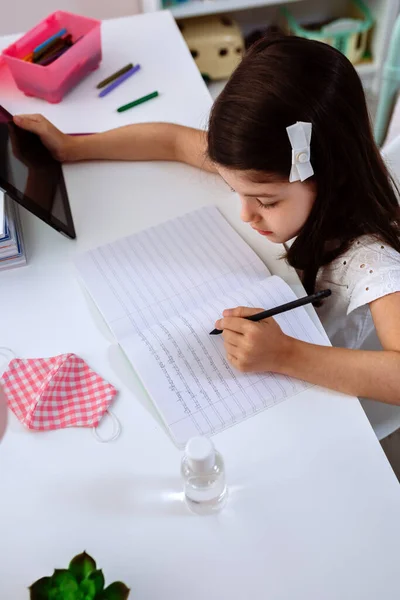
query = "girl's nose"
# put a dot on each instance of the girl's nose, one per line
(248, 213)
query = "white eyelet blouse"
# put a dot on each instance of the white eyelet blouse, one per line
(367, 271)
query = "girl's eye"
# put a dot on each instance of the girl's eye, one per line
(271, 205)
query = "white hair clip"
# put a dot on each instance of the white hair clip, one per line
(300, 138)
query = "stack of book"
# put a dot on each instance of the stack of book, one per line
(12, 253)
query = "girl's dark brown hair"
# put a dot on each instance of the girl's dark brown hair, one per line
(288, 79)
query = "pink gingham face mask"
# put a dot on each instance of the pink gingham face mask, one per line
(57, 392)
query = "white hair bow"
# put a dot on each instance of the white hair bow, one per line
(300, 138)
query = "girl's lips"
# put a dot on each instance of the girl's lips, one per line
(261, 232)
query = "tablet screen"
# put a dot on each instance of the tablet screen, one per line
(32, 177)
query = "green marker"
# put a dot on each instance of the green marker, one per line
(136, 102)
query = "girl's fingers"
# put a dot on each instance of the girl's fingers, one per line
(233, 324)
(230, 349)
(232, 359)
(34, 123)
(231, 337)
(241, 311)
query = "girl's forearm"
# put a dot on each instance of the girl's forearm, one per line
(143, 141)
(363, 373)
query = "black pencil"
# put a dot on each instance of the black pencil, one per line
(271, 312)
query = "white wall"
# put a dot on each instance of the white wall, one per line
(19, 15)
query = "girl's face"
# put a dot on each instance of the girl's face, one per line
(276, 210)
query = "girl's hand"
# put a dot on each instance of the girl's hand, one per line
(59, 144)
(260, 346)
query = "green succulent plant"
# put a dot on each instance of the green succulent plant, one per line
(81, 581)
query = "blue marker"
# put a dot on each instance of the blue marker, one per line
(49, 40)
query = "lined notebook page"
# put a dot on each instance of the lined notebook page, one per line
(185, 371)
(168, 270)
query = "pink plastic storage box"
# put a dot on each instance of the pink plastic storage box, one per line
(52, 82)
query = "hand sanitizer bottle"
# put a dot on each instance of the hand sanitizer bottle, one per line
(204, 476)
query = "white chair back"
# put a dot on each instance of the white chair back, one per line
(384, 418)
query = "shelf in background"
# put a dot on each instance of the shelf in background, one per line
(196, 8)
(384, 13)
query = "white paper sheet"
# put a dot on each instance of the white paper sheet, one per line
(162, 289)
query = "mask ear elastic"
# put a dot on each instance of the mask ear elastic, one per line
(8, 355)
(115, 433)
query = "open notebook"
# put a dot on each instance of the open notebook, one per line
(161, 290)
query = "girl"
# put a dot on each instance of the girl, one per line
(332, 194)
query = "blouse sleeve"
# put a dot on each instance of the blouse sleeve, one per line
(373, 272)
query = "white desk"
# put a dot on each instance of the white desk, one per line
(314, 505)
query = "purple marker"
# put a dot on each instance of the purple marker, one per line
(118, 81)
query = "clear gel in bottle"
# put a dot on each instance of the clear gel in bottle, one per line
(204, 476)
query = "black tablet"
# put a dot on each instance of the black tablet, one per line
(32, 177)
